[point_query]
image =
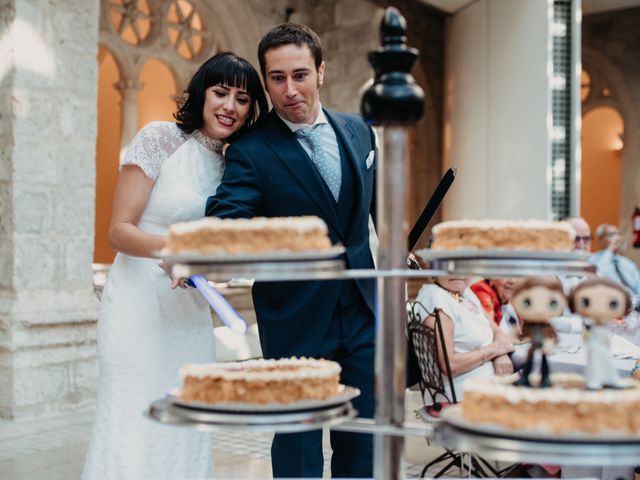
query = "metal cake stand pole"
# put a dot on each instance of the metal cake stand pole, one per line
(394, 101)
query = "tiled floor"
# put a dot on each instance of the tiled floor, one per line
(54, 449)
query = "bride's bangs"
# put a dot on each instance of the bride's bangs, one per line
(231, 73)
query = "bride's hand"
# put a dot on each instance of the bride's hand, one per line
(181, 282)
(175, 282)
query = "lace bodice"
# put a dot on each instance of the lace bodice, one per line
(191, 170)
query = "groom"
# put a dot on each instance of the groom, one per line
(306, 160)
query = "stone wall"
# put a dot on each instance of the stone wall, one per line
(611, 55)
(48, 310)
(348, 30)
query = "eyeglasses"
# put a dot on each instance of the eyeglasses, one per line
(612, 233)
(583, 239)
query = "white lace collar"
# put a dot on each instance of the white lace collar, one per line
(212, 144)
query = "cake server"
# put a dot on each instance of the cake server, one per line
(225, 311)
(430, 208)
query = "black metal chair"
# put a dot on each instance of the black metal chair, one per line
(426, 343)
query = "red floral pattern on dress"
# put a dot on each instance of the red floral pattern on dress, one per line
(489, 300)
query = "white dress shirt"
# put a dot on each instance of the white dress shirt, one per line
(329, 139)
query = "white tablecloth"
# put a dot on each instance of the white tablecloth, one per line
(563, 361)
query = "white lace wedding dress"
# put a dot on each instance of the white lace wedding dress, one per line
(146, 331)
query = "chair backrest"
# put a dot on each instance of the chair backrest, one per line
(426, 342)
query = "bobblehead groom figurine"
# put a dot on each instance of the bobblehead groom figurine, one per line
(307, 160)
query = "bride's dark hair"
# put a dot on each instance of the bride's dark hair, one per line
(224, 68)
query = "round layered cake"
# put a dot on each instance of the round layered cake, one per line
(566, 407)
(287, 380)
(241, 235)
(534, 235)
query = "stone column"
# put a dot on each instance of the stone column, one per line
(496, 104)
(129, 101)
(48, 89)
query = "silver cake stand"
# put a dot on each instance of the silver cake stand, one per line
(169, 413)
(506, 263)
(286, 267)
(277, 267)
(500, 444)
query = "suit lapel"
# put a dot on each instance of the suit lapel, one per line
(286, 147)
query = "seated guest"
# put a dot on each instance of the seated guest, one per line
(475, 345)
(581, 243)
(609, 263)
(582, 240)
(495, 295)
(570, 322)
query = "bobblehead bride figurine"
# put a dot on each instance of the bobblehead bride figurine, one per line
(536, 300)
(600, 300)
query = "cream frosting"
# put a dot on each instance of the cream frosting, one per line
(300, 224)
(500, 224)
(502, 387)
(304, 368)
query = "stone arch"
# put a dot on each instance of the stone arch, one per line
(237, 26)
(601, 179)
(109, 117)
(157, 98)
(605, 72)
(227, 25)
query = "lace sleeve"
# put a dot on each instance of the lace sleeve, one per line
(156, 142)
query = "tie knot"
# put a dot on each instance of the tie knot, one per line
(328, 167)
(309, 132)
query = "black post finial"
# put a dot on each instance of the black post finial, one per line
(394, 96)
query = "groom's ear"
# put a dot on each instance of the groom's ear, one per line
(321, 73)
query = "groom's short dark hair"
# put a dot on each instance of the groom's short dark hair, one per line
(286, 34)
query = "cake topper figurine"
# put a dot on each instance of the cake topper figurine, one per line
(599, 300)
(536, 300)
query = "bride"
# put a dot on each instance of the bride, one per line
(147, 330)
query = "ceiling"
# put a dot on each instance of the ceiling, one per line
(597, 6)
(588, 6)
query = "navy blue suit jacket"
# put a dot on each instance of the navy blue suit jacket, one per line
(269, 174)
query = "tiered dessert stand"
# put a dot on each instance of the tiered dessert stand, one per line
(167, 411)
(395, 102)
(509, 446)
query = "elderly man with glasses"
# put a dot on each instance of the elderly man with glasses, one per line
(610, 264)
(581, 243)
(582, 240)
